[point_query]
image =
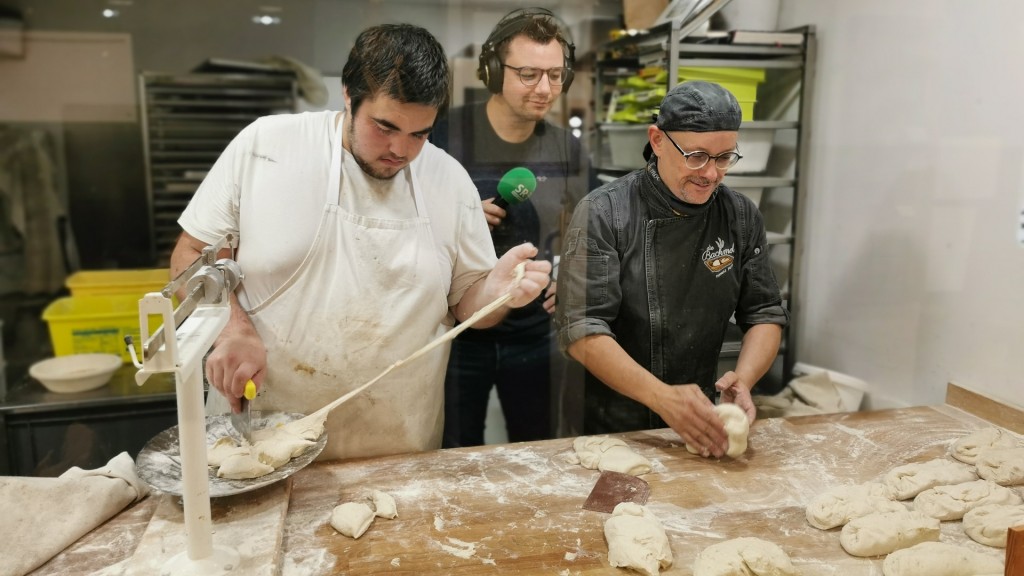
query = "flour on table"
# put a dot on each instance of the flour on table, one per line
(839, 505)
(609, 454)
(351, 518)
(384, 504)
(952, 502)
(967, 448)
(637, 540)
(736, 426)
(909, 480)
(988, 524)
(940, 559)
(1004, 466)
(885, 532)
(743, 556)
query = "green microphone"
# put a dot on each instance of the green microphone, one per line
(515, 186)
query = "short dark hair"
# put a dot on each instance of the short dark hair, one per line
(540, 29)
(402, 61)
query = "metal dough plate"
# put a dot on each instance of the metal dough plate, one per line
(159, 462)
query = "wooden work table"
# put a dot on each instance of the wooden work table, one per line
(516, 508)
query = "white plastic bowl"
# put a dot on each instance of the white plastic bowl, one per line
(75, 373)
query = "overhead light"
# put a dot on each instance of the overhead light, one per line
(110, 13)
(266, 19)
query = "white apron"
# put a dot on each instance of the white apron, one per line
(367, 294)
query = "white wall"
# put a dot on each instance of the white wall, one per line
(914, 271)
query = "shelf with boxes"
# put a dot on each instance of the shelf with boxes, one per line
(773, 85)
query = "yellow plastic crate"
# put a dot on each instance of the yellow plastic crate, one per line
(114, 282)
(85, 324)
(742, 82)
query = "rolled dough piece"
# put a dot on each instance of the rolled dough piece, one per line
(967, 448)
(1004, 466)
(243, 466)
(351, 518)
(952, 502)
(384, 504)
(909, 480)
(277, 448)
(988, 524)
(222, 449)
(637, 540)
(839, 505)
(939, 559)
(885, 532)
(736, 426)
(752, 556)
(612, 454)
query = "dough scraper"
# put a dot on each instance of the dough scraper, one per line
(613, 488)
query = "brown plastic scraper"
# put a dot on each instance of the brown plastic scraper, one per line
(614, 488)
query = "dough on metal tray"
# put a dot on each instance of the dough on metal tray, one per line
(988, 524)
(746, 556)
(940, 559)
(909, 480)
(967, 448)
(243, 466)
(885, 532)
(952, 502)
(839, 505)
(637, 540)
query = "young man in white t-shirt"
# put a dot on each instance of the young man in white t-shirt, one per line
(360, 242)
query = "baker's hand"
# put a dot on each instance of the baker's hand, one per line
(536, 278)
(236, 357)
(549, 298)
(688, 411)
(735, 392)
(493, 214)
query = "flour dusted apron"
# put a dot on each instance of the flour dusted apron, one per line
(367, 294)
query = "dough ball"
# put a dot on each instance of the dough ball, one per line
(839, 505)
(736, 426)
(243, 466)
(988, 524)
(351, 518)
(384, 504)
(752, 556)
(909, 480)
(1004, 466)
(939, 559)
(637, 540)
(611, 454)
(222, 449)
(885, 532)
(967, 448)
(952, 502)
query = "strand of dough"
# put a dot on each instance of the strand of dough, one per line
(312, 426)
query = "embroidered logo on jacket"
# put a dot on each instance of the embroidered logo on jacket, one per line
(718, 258)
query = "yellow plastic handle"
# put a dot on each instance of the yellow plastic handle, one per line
(250, 390)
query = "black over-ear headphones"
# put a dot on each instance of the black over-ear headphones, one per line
(490, 69)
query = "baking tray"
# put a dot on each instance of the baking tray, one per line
(159, 462)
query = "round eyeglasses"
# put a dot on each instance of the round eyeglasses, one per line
(697, 160)
(531, 76)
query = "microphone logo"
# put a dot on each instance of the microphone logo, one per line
(516, 186)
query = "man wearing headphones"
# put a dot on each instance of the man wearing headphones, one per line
(505, 141)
